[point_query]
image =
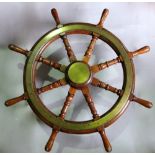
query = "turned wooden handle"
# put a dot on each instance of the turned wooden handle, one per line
(142, 50)
(15, 100)
(51, 140)
(144, 103)
(17, 49)
(103, 17)
(106, 142)
(55, 16)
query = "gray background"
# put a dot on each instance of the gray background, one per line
(23, 24)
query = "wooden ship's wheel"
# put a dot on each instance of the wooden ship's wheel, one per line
(78, 75)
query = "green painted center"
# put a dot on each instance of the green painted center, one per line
(79, 72)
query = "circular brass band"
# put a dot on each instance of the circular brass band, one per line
(73, 84)
(86, 126)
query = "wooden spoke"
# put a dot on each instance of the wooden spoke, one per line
(105, 140)
(96, 82)
(78, 75)
(51, 140)
(18, 49)
(24, 96)
(92, 43)
(53, 64)
(142, 102)
(64, 38)
(142, 50)
(56, 84)
(41, 59)
(90, 102)
(68, 101)
(15, 100)
(100, 84)
(101, 66)
(68, 48)
(55, 16)
(90, 49)
(103, 17)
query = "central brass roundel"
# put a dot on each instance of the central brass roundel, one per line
(79, 73)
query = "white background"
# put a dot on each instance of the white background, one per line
(24, 23)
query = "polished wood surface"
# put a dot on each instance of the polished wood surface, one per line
(18, 49)
(142, 102)
(90, 102)
(84, 88)
(101, 66)
(51, 140)
(43, 89)
(55, 16)
(92, 43)
(103, 17)
(142, 50)
(52, 63)
(56, 84)
(68, 48)
(67, 102)
(105, 140)
(64, 38)
(90, 49)
(96, 82)
(15, 100)
(62, 115)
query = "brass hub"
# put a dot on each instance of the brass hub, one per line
(78, 74)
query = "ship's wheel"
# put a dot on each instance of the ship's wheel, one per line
(79, 75)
